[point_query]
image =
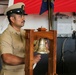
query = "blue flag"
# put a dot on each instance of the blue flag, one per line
(44, 6)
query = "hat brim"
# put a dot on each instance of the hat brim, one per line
(16, 11)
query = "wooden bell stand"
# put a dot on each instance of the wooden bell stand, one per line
(30, 37)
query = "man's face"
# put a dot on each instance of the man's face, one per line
(18, 20)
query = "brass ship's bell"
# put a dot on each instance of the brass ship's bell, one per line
(41, 47)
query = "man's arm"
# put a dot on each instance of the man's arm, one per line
(15, 60)
(12, 59)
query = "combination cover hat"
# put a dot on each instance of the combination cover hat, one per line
(17, 8)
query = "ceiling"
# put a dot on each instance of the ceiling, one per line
(65, 6)
(3, 6)
(3, 1)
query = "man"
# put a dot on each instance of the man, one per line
(13, 42)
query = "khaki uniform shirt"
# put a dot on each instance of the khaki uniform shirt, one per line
(13, 42)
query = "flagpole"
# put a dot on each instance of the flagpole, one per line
(50, 15)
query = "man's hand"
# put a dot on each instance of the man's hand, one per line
(37, 58)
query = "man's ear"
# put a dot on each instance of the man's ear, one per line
(12, 18)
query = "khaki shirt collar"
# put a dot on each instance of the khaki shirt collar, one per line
(13, 30)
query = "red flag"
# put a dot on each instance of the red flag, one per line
(31, 6)
(65, 6)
